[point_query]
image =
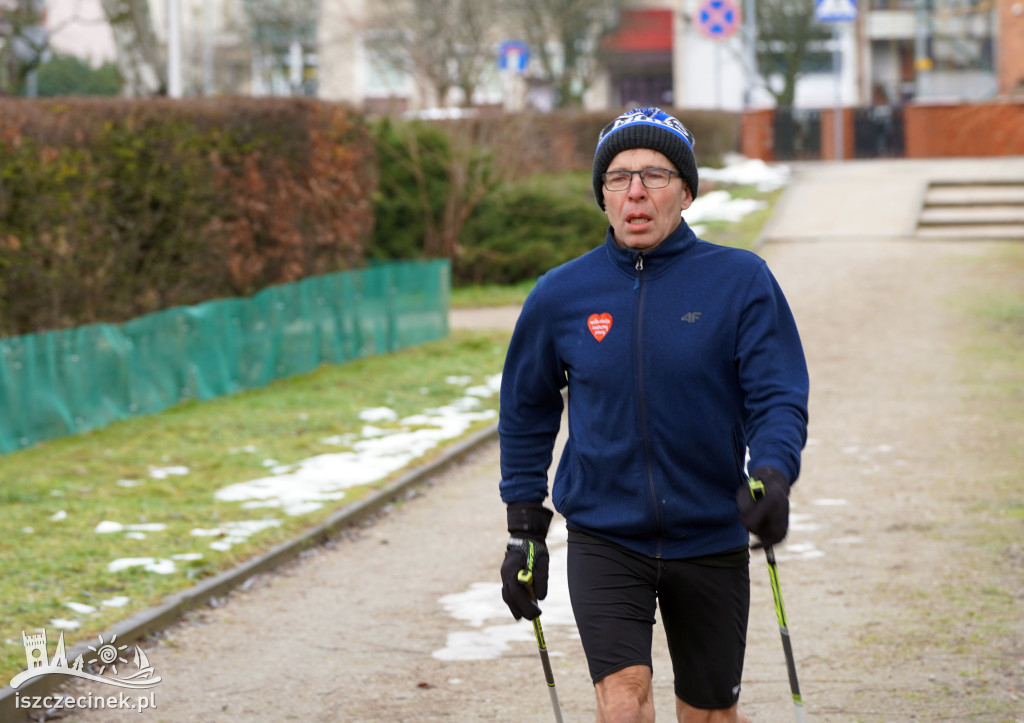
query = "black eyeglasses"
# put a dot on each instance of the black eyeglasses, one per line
(650, 177)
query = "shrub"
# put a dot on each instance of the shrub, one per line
(413, 161)
(110, 209)
(64, 74)
(431, 180)
(526, 229)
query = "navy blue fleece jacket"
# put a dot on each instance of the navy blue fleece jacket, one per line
(677, 361)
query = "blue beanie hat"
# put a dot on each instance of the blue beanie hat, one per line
(645, 128)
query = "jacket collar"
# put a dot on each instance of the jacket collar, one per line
(657, 260)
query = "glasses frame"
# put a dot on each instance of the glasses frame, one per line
(643, 178)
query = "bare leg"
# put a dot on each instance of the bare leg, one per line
(625, 696)
(688, 714)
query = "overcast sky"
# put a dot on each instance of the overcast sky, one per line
(79, 28)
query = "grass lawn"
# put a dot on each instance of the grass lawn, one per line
(144, 489)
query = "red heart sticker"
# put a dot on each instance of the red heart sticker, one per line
(599, 325)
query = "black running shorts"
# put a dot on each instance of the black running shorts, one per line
(704, 605)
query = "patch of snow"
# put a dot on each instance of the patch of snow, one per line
(798, 551)
(749, 172)
(308, 484)
(720, 206)
(81, 608)
(232, 533)
(830, 502)
(165, 472)
(150, 564)
(108, 526)
(378, 414)
(482, 603)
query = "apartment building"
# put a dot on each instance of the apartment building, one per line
(662, 52)
(895, 51)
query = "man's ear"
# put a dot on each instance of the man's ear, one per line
(687, 197)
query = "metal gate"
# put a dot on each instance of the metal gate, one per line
(878, 132)
(797, 134)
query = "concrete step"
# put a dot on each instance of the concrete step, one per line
(966, 195)
(963, 232)
(978, 215)
(973, 209)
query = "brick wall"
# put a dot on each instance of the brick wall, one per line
(828, 132)
(990, 129)
(1010, 47)
(930, 131)
(757, 138)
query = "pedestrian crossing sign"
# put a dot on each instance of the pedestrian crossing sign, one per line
(835, 11)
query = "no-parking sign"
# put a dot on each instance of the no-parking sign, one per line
(718, 19)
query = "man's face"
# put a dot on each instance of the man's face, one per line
(641, 217)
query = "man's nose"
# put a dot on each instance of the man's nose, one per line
(637, 189)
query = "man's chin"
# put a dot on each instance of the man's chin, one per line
(636, 241)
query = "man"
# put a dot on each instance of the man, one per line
(679, 356)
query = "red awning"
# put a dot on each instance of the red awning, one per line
(642, 31)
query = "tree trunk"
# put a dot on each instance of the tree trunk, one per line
(138, 53)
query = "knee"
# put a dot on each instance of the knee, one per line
(625, 696)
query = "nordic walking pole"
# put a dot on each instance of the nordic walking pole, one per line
(526, 577)
(756, 490)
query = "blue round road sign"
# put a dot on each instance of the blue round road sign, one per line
(718, 19)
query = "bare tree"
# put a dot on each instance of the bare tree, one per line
(789, 37)
(139, 59)
(278, 30)
(446, 44)
(566, 37)
(23, 42)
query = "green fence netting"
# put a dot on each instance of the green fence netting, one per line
(63, 382)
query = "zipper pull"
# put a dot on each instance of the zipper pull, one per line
(639, 262)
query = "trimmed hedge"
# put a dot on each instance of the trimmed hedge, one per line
(113, 208)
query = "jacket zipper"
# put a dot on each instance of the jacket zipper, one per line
(640, 285)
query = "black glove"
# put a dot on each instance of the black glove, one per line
(528, 525)
(764, 507)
